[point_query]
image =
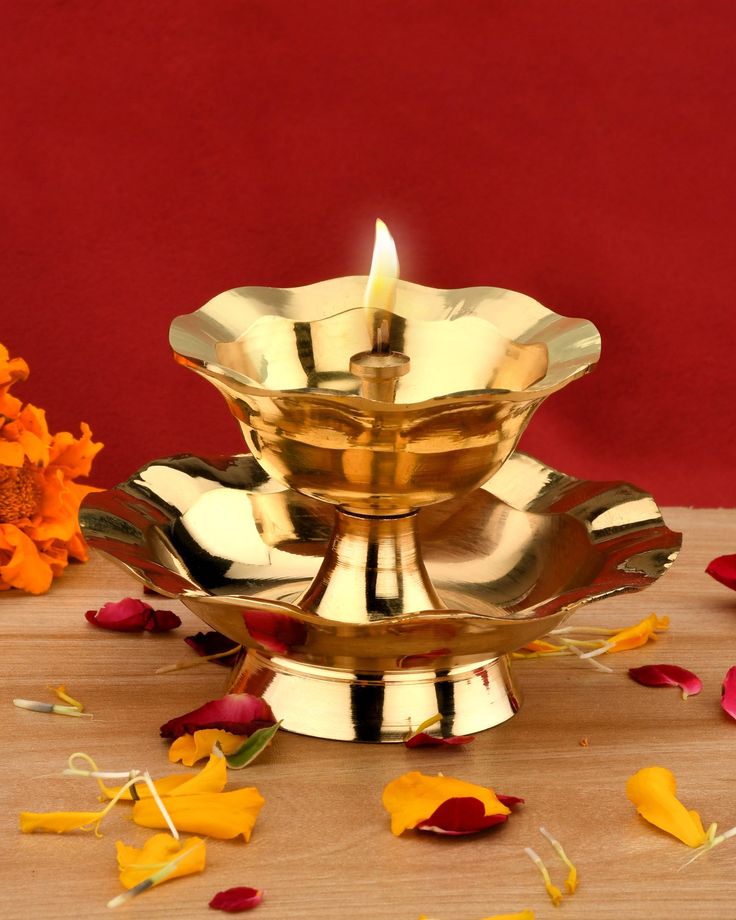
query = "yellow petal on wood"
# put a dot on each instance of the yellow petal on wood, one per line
(57, 821)
(136, 865)
(653, 791)
(190, 748)
(219, 814)
(414, 797)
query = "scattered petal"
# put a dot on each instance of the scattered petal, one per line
(521, 915)
(667, 675)
(234, 900)
(422, 739)
(190, 748)
(723, 569)
(239, 713)
(459, 816)
(211, 778)
(132, 615)
(637, 635)
(728, 693)
(252, 747)
(220, 814)
(59, 822)
(136, 865)
(542, 647)
(653, 790)
(414, 799)
(212, 643)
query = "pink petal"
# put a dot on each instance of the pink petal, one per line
(212, 643)
(239, 713)
(422, 739)
(459, 816)
(667, 675)
(728, 693)
(723, 569)
(127, 615)
(237, 899)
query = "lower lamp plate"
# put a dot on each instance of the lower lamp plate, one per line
(510, 561)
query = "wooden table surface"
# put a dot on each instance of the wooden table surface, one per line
(322, 846)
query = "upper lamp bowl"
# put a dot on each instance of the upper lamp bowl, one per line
(481, 361)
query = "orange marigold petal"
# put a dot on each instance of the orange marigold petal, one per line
(11, 453)
(74, 455)
(137, 865)
(25, 568)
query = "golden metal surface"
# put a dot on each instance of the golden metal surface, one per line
(357, 555)
(482, 361)
(506, 564)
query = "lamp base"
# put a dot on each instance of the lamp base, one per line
(346, 705)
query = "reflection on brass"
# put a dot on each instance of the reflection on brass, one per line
(481, 362)
(384, 547)
(501, 566)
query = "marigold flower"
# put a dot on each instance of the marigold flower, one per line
(136, 865)
(653, 790)
(211, 778)
(442, 804)
(39, 499)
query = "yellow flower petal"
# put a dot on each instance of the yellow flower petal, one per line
(639, 634)
(58, 821)
(218, 814)
(211, 778)
(540, 645)
(190, 748)
(653, 790)
(522, 915)
(414, 797)
(137, 865)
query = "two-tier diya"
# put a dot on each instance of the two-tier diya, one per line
(382, 548)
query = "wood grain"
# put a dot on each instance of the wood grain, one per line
(322, 847)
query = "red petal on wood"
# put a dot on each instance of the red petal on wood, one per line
(422, 739)
(728, 693)
(162, 621)
(723, 569)
(132, 615)
(127, 615)
(667, 675)
(234, 900)
(460, 816)
(239, 713)
(212, 643)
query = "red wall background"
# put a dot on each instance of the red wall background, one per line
(580, 151)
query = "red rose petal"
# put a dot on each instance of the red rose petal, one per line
(239, 713)
(723, 569)
(212, 643)
(458, 816)
(237, 899)
(422, 739)
(667, 675)
(127, 615)
(132, 615)
(162, 621)
(509, 800)
(728, 693)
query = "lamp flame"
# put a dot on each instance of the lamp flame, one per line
(380, 291)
